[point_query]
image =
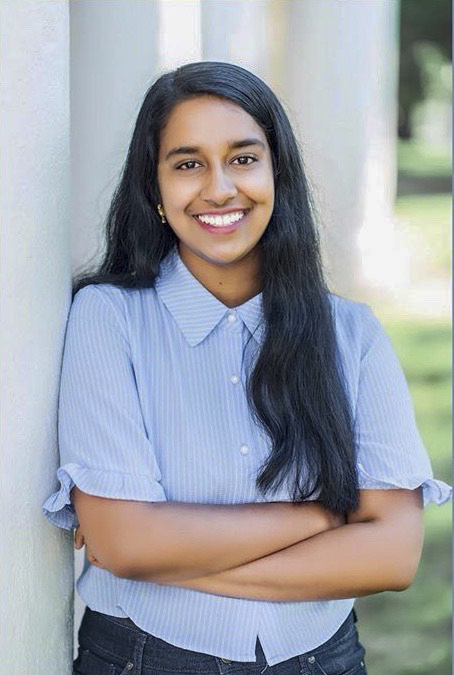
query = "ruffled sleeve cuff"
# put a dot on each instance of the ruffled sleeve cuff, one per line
(59, 509)
(434, 491)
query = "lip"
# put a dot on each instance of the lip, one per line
(221, 230)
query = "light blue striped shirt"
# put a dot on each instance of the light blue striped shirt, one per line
(152, 407)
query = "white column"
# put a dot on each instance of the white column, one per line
(114, 59)
(340, 83)
(36, 580)
(238, 31)
(179, 33)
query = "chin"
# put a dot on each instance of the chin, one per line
(226, 258)
(216, 255)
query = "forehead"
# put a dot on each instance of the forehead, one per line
(207, 120)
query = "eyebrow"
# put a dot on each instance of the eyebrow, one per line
(234, 145)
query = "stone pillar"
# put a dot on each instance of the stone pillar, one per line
(114, 59)
(179, 33)
(238, 31)
(36, 580)
(340, 84)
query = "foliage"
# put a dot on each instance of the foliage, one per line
(421, 22)
(428, 21)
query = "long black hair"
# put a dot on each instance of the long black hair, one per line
(296, 390)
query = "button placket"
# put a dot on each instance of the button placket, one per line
(235, 326)
(231, 318)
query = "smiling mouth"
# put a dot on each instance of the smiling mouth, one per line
(222, 221)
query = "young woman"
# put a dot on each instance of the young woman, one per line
(238, 447)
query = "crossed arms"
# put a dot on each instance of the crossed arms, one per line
(274, 551)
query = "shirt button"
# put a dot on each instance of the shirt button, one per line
(234, 379)
(311, 659)
(231, 318)
(244, 449)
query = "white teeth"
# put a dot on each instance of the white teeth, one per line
(221, 221)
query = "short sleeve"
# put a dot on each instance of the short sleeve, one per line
(390, 450)
(103, 444)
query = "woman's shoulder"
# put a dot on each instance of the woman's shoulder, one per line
(355, 322)
(106, 292)
(106, 299)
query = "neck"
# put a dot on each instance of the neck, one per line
(232, 284)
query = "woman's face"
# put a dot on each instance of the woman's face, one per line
(216, 180)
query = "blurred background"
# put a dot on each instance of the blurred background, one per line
(411, 632)
(367, 86)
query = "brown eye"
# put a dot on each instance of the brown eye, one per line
(245, 160)
(188, 165)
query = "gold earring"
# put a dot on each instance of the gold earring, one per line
(161, 213)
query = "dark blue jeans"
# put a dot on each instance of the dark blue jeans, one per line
(109, 645)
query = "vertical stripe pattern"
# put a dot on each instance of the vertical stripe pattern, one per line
(152, 407)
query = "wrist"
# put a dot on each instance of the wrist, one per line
(316, 519)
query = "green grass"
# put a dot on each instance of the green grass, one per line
(429, 215)
(424, 202)
(410, 633)
(420, 159)
(425, 210)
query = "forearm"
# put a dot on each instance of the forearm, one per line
(182, 541)
(351, 561)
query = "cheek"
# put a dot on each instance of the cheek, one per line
(260, 185)
(177, 194)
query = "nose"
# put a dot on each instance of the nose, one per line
(219, 187)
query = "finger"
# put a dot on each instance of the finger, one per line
(94, 561)
(79, 539)
(90, 555)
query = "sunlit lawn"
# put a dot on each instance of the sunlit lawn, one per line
(422, 159)
(424, 203)
(410, 632)
(429, 216)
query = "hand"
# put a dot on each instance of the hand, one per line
(335, 520)
(322, 519)
(79, 541)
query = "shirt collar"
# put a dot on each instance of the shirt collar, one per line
(194, 308)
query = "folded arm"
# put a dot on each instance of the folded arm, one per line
(177, 541)
(377, 550)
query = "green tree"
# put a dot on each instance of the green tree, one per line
(421, 21)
